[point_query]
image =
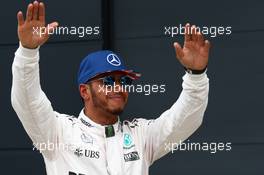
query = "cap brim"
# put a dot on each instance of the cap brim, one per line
(131, 73)
(134, 75)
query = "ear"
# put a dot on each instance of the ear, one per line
(85, 91)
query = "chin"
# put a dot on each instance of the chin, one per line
(116, 104)
(116, 107)
(118, 111)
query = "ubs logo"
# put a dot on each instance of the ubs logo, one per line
(87, 153)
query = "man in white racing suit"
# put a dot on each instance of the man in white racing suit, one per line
(97, 142)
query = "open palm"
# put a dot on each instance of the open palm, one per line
(30, 30)
(195, 51)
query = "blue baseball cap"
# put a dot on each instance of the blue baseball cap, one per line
(101, 62)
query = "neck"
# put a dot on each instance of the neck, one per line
(100, 117)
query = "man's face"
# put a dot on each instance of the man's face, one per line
(107, 98)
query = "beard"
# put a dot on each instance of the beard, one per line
(98, 103)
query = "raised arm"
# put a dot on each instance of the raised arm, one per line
(28, 100)
(186, 114)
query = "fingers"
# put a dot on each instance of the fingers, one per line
(178, 50)
(29, 12)
(194, 33)
(200, 39)
(192, 36)
(35, 10)
(187, 33)
(207, 46)
(20, 18)
(191, 33)
(42, 12)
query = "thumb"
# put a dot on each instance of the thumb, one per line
(50, 29)
(178, 50)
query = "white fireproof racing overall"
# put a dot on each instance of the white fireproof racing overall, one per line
(79, 146)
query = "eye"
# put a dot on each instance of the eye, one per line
(108, 81)
(125, 80)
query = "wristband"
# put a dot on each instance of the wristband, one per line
(192, 71)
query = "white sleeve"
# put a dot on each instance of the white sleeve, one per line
(181, 120)
(29, 101)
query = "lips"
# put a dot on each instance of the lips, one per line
(115, 97)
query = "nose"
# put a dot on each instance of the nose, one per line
(118, 87)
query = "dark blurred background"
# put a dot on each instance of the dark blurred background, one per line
(135, 30)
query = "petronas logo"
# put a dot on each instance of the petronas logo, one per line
(127, 140)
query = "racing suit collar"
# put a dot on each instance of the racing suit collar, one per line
(89, 123)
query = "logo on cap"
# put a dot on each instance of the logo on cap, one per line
(113, 60)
